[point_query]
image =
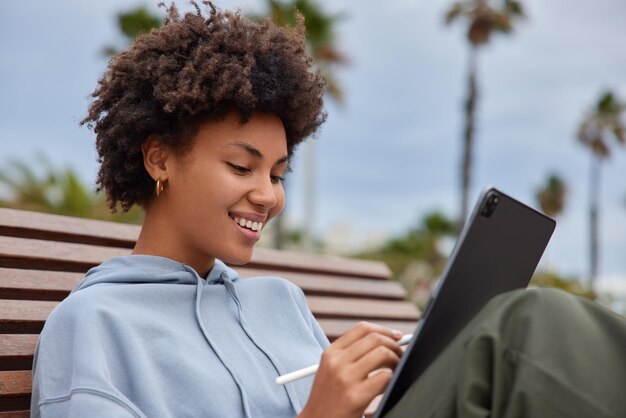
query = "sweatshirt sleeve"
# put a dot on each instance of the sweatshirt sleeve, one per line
(70, 368)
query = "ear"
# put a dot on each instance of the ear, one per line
(155, 156)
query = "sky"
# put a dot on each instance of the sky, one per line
(392, 152)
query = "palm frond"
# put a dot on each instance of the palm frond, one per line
(483, 19)
(454, 12)
(137, 21)
(551, 196)
(514, 8)
(607, 103)
(131, 24)
(604, 121)
(619, 130)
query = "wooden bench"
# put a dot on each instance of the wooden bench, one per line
(43, 256)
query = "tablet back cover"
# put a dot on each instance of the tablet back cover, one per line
(498, 251)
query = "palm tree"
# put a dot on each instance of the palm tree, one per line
(598, 129)
(483, 20)
(551, 196)
(321, 43)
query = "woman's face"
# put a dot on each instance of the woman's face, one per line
(223, 192)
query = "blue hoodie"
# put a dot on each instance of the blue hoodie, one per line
(145, 336)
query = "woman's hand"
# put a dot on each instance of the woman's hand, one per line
(343, 386)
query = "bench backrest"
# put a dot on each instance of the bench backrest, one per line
(43, 256)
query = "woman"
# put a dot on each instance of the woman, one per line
(196, 123)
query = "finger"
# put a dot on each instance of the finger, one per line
(369, 342)
(360, 330)
(380, 370)
(376, 383)
(379, 357)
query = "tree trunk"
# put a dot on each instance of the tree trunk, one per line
(308, 238)
(280, 234)
(594, 197)
(468, 135)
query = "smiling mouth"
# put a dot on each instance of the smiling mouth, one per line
(248, 224)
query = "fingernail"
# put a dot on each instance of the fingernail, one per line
(396, 333)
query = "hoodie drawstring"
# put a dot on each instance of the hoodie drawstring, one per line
(232, 291)
(244, 400)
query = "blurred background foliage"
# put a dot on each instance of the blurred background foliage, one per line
(131, 24)
(55, 190)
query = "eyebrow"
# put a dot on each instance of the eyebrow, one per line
(255, 152)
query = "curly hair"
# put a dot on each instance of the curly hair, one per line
(192, 70)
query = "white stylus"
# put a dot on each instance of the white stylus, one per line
(307, 371)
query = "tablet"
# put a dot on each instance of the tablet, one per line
(497, 251)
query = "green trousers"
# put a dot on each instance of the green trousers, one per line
(528, 353)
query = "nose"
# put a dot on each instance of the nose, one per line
(264, 194)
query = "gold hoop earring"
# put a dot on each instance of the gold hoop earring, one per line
(160, 186)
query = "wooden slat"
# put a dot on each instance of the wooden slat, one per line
(301, 262)
(15, 383)
(24, 316)
(55, 285)
(330, 307)
(335, 328)
(55, 228)
(25, 224)
(36, 284)
(16, 351)
(62, 256)
(28, 253)
(15, 414)
(331, 285)
(15, 389)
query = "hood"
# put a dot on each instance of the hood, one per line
(137, 269)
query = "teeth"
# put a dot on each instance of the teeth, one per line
(255, 226)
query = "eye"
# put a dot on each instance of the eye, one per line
(277, 179)
(238, 169)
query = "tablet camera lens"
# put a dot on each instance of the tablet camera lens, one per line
(490, 206)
